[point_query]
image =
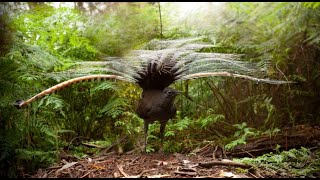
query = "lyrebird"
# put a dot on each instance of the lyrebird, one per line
(161, 64)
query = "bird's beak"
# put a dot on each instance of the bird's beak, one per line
(178, 92)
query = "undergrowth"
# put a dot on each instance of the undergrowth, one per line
(293, 163)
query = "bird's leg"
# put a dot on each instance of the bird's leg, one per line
(146, 125)
(162, 128)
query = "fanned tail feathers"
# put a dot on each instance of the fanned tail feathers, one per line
(162, 63)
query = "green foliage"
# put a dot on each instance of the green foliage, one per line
(287, 34)
(210, 120)
(35, 158)
(173, 147)
(21, 68)
(114, 107)
(185, 128)
(59, 31)
(259, 107)
(313, 5)
(272, 132)
(125, 28)
(79, 151)
(182, 124)
(241, 134)
(149, 149)
(178, 23)
(104, 143)
(293, 163)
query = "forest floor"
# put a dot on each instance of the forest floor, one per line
(209, 161)
(153, 165)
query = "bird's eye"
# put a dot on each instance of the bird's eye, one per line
(169, 92)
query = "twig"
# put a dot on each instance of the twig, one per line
(86, 174)
(75, 139)
(97, 167)
(145, 171)
(114, 144)
(255, 173)
(205, 147)
(188, 169)
(70, 174)
(140, 175)
(161, 35)
(133, 160)
(210, 143)
(206, 177)
(248, 153)
(121, 170)
(186, 173)
(252, 175)
(99, 158)
(92, 145)
(105, 161)
(53, 167)
(223, 163)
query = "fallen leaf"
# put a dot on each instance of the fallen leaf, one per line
(66, 166)
(159, 176)
(226, 174)
(186, 161)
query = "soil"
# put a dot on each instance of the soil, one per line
(209, 161)
(154, 165)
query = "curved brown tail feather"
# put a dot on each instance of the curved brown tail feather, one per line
(21, 103)
(211, 74)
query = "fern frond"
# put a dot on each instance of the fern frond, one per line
(114, 107)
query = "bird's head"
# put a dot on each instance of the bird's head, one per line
(169, 92)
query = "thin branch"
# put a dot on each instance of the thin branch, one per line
(161, 35)
(223, 163)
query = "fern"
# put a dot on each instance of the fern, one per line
(293, 163)
(8, 144)
(169, 133)
(114, 108)
(42, 126)
(313, 5)
(183, 124)
(104, 86)
(241, 134)
(36, 158)
(210, 120)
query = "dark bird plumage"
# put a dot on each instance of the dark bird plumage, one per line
(157, 105)
(157, 67)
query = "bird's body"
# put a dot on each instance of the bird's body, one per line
(153, 103)
(157, 105)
